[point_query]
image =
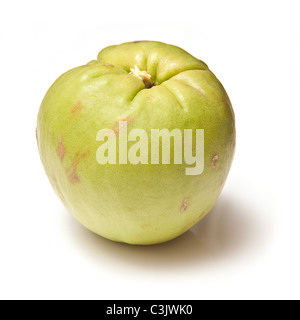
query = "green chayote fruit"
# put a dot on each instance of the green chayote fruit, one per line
(146, 87)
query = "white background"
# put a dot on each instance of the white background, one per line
(248, 246)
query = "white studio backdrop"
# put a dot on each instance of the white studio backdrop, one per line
(248, 246)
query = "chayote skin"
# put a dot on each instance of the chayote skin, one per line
(135, 203)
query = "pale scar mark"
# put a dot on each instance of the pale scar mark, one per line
(184, 205)
(214, 161)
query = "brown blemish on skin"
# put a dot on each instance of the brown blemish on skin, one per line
(214, 161)
(184, 205)
(61, 151)
(76, 110)
(73, 177)
(146, 225)
(72, 170)
(116, 127)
